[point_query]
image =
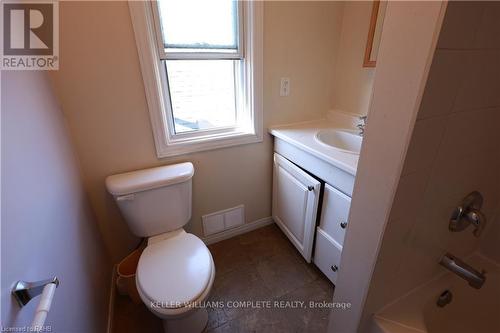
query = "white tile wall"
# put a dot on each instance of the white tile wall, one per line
(410, 195)
(488, 32)
(424, 145)
(455, 149)
(460, 25)
(443, 83)
(480, 82)
(490, 244)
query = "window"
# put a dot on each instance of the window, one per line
(201, 63)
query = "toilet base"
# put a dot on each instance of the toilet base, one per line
(193, 322)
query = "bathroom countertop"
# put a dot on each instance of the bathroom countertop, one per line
(302, 135)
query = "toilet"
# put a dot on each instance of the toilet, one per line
(176, 271)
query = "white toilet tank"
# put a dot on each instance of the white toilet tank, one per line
(156, 200)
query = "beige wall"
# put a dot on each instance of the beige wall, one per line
(352, 83)
(453, 151)
(100, 89)
(48, 227)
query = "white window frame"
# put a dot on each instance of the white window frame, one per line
(156, 88)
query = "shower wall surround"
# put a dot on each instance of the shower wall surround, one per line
(453, 151)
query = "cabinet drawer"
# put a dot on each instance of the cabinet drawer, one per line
(327, 255)
(334, 213)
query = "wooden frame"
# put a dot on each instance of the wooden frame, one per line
(371, 34)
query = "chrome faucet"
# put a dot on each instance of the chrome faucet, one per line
(468, 212)
(475, 278)
(361, 126)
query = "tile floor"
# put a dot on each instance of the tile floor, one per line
(261, 265)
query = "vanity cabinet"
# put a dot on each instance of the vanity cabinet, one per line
(297, 194)
(295, 204)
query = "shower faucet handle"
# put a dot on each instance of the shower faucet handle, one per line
(468, 212)
(478, 221)
(361, 126)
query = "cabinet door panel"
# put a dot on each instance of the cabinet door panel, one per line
(334, 213)
(327, 255)
(295, 204)
(292, 203)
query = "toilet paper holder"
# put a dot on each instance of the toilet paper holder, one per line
(24, 291)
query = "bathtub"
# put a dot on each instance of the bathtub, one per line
(470, 311)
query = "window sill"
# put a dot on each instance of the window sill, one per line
(181, 147)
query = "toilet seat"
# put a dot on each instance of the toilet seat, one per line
(174, 270)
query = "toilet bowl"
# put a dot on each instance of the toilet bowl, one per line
(174, 278)
(176, 271)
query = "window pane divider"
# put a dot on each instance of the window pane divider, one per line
(202, 56)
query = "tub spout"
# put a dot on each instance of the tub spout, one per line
(473, 277)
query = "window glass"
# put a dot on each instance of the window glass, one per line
(202, 93)
(199, 24)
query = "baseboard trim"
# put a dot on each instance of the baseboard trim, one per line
(111, 303)
(242, 229)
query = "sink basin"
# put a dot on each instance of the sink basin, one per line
(340, 139)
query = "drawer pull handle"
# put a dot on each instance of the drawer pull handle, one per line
(343, 225)
(334, 268)
(310, 188)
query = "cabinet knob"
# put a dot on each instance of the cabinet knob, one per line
(334, 268)
(310, 188)
(343, 224)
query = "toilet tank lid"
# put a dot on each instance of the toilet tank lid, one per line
(148, 179)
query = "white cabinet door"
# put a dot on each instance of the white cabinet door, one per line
(295, 204)
(327, 255)
(334, 213)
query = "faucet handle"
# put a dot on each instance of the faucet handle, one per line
(361, 125)
(478, 221)
(468, 212)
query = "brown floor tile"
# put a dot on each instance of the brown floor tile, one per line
(312, 318)
(266, 242)
(261, 321)
(283, 273)
(228, 255)
(244, 284)
(301, 319)
(134, 318)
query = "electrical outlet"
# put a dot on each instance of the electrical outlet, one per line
(285, 86)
